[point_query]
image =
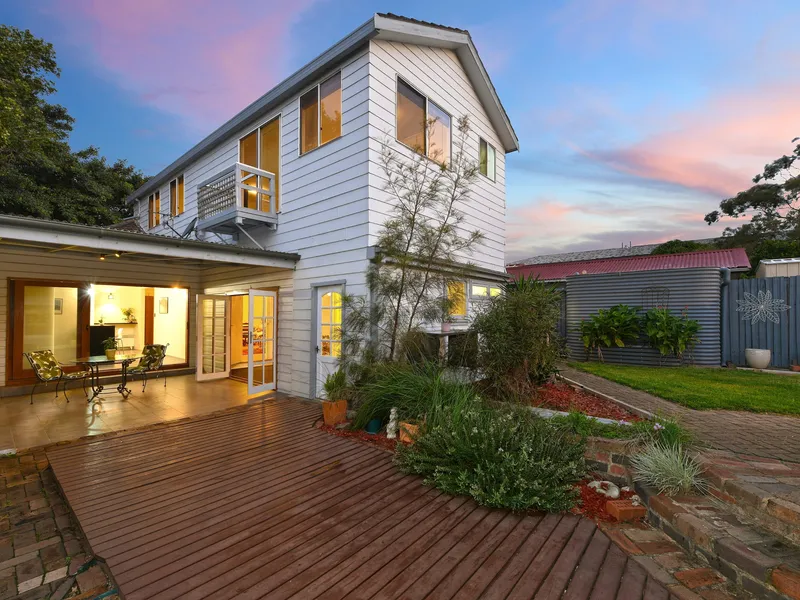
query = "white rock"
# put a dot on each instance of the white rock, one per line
(606, 488)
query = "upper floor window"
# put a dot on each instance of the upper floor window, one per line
(486, 159)
(261, 149)
(321, 114)
(154, 210)
(482, 290)
(176, 189)
(422, 124)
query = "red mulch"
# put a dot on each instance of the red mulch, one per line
(593, 505)
(378, 439)
(559, 396)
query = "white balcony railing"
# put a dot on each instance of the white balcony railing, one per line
(239, 195)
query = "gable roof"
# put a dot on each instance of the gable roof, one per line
(734, 259)
(384, 26)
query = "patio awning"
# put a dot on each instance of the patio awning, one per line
(57, 236)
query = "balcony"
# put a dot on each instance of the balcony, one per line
(237, 199)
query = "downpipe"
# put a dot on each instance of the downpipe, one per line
(725, 290)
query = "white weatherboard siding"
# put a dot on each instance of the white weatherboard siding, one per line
(224, 280)
(438, 74)
(19, 263)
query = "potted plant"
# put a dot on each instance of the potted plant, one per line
(110, 346)
(409, 430)
(334, 406)
(128, 312)
(757, 358)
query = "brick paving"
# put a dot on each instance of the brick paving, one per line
(42, 554)
(764, 435)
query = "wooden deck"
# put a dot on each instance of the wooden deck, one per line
(259, 504)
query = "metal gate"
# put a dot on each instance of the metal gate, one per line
(762, 313)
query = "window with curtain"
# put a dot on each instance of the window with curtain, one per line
(176, 196)
(457, 293)
(422, 124)
(486, 159)
(321, 114)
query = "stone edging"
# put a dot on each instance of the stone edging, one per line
(639, 412)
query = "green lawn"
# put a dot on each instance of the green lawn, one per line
(705, 389)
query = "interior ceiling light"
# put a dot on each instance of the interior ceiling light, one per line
(111, 296)
(117, 254)
(102, 257)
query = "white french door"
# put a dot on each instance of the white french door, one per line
(261, 348)
(213, 345)
(329, 334)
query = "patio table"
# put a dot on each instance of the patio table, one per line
(93, 363)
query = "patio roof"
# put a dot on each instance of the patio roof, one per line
(57, 236)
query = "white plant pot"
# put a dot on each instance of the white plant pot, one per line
(757, 358)
(446, 327)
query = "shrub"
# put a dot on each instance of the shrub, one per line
(335, 386)
(501, 456)
(584, 426)
(677, 246)
(661, 431)
(517, 337)
(668, 468)
(610, 327)
(412, 389)
(670, 334)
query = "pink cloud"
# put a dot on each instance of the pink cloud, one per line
(717, 147)
(200, 59)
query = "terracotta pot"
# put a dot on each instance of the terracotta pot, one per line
(408, 431)
(796, 368)
(111, 354)
(757, 358)
(334, 412)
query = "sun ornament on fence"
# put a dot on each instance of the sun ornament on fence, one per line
(761, 308)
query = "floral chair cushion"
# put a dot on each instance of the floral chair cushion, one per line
(152, 358)
(75, 375)
(44, 365)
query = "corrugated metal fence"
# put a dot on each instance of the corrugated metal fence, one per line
(697, 290)
(753, 307)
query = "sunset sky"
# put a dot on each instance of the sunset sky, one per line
(635, 117)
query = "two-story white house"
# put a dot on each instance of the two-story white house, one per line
(248, 241)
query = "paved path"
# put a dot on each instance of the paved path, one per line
(755, 434)
(257, 503)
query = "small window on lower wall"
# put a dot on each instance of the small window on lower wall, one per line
(457, 293)
(482, 290)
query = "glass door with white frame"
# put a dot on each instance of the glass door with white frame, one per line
(329, 334)
(261, 341)
(213, 345)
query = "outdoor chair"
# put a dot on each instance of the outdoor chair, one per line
(48, 369)
(152, 361)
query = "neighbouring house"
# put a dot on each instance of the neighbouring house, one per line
(778, 267)
(242, 248)
(596, 262)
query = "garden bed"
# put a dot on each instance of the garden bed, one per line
(563, 397)
(378, 440)
(592, 504)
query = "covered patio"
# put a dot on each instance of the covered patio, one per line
(52, 419)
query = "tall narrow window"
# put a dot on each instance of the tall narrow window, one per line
(439, 136)
(410, 117)
(321, 114)
(457, 294)
(154, 210)
(262, 149)
(309, 124)
(330, 109)
(486, 159)
(176, 196)
(422, 124)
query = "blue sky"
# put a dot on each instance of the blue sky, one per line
(635, 117)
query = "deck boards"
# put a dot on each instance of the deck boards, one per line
(257, 503)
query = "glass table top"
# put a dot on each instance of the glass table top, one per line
(102, 359)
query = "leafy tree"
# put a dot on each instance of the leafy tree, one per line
(678, 246)
(773, 205)
(518, 341)
(40, 176)
(419, 248)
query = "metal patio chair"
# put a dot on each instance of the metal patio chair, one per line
(47, 369)
(152, 361)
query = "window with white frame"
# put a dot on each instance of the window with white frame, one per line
(321, 114)
(154, 210)
(176, 193)
(422, 124)
(457, 294)
(486, 159)
(484, 290)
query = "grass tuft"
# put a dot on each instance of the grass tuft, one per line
(669, 469)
